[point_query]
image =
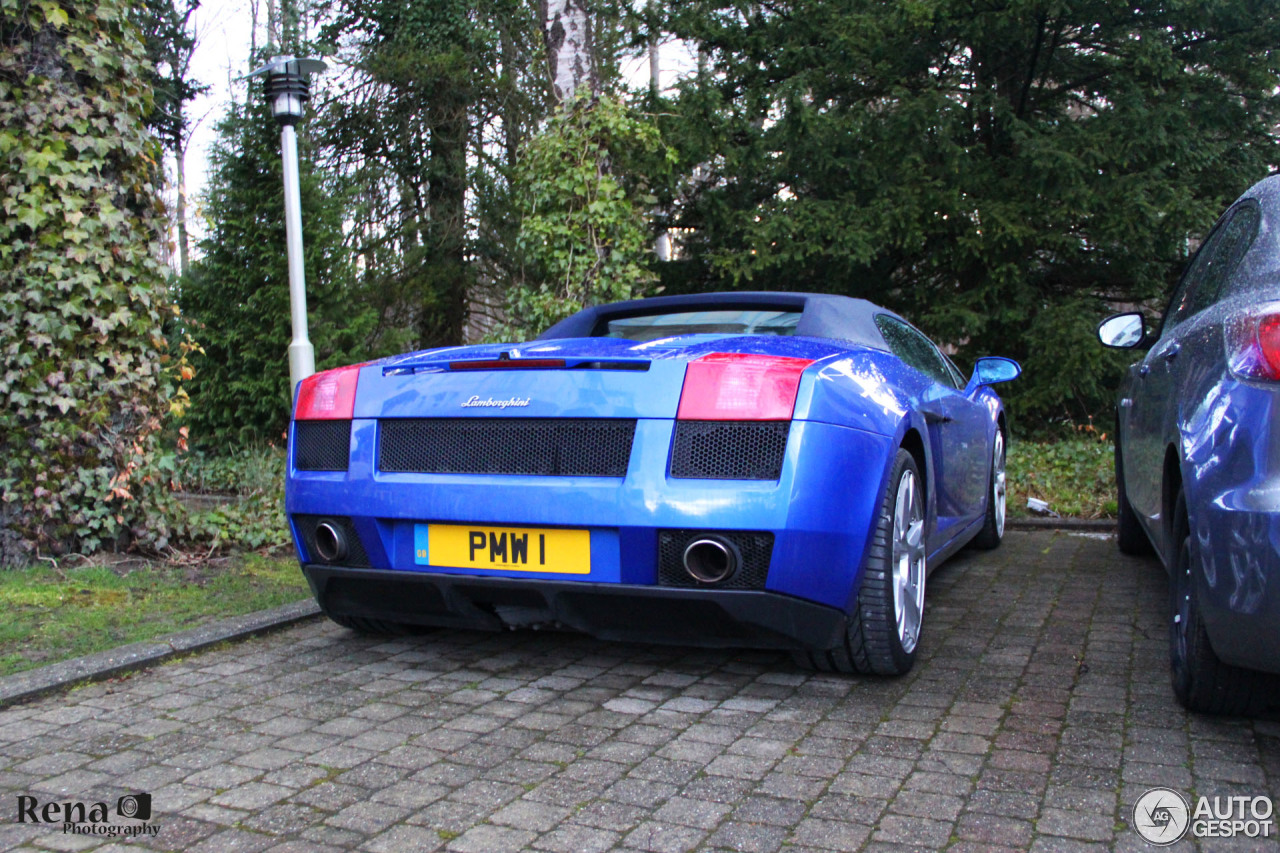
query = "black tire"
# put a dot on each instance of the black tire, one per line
(376, 627)
(871, 644)
(1130, 536)
(992, 532)
(1201, 681)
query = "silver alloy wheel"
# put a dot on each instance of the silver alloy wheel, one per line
(998, 481)
(908, 561)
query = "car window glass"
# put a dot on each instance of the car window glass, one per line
(914, 349)
(1250, 224)
(1213, 264)
(648, 327)
(1181, 300)
(957, 377)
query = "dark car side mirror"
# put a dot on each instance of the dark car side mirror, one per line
(992, 369)
(1123, 331)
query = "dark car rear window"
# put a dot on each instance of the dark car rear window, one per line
(650, 327)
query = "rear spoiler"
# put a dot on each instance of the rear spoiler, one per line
(505, 362)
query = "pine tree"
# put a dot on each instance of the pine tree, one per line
(238, 293)
(1001, 173)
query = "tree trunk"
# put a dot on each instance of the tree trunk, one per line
(655, 72)
(566, 26)
(447, 226)
(180, 156)
(510, 120)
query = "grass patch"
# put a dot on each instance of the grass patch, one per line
(1075, 475)
(53, 615)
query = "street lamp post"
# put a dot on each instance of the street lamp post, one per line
(288, 86)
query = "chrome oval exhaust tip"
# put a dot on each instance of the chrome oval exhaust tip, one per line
(710, 559)
(331, 542)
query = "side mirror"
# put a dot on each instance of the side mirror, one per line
(993, 369)
(1123, 331)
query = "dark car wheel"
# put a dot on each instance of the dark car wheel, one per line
(1129, 533)
(1201, 681)
(992, 531)
(376, 627)
(884, 628)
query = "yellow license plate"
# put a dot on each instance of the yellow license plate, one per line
(520, 549)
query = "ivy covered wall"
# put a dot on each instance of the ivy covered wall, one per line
(88, 379)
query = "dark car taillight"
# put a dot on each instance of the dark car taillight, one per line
(734, 416)
(322, 428)
(1253, 345)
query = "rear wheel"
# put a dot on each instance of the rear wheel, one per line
(1201, 681)
(1129, 533)
(992, 531)
(884, 628)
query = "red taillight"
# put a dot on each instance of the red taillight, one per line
(1269, 343)
(739, 387)
(328, 396)
(1253, 344)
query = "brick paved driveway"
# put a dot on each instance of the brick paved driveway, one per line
(1039, 711)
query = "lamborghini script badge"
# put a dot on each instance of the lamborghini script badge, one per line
(494, 404)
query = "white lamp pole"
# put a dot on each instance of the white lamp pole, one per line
(288, 85)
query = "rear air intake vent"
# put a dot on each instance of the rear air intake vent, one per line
(756, 550)
(553, 447)
(321, 445)
(729, 450)
(352, 554)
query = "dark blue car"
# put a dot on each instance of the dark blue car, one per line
(1198, 458)
(774, 470)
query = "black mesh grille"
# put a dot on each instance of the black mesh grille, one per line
(546, 446)
(729, 450)
(755, 548)
(356, 557)
(321, 445)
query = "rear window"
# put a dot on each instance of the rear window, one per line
(732, 322)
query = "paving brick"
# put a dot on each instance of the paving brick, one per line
(748, 837)
(989, 829)
(919, 831)
(702, 814)
(1083, 825)
(829, 835)
(530, 814)
(492, 839)
(367, 818)
(256, 795)
(658, 837)
(571, 838)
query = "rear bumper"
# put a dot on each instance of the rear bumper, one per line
(1232, 481)
(1239, 553)
(618, 612)
(819, 510)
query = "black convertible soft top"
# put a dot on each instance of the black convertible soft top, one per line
(822, 315)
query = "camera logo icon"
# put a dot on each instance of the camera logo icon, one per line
(135, 806)
(1162, 816)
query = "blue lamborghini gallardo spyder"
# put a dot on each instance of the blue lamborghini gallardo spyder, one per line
(769, 470)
